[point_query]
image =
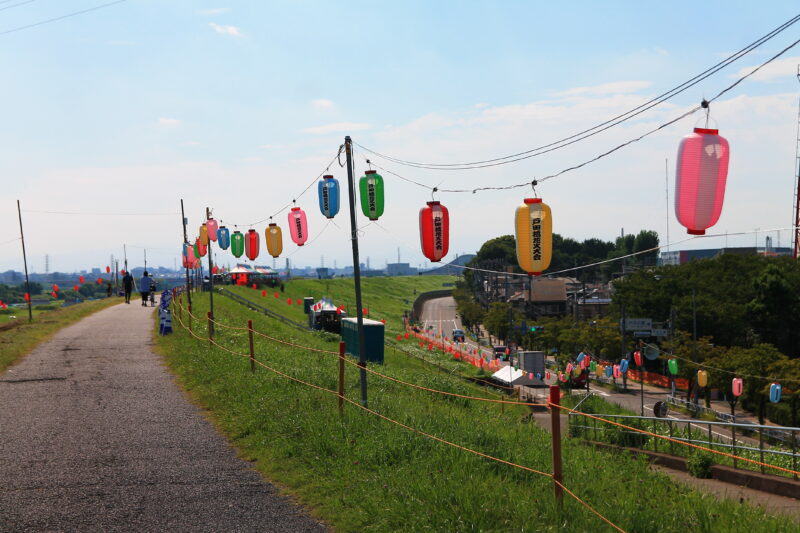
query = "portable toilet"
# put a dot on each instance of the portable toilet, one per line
(308, 303)
(373, 339)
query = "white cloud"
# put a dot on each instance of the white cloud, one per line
(270, 146)
(481, 105)
(226, 30)
(251, 159)
(322, 103)
(617, 87)
(191, 143)
(169, 122)
(337, 127)
(780, 68)
(213, 11)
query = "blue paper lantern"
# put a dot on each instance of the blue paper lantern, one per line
(609, 371)
(580, 357)
(775, 392)
(328, 189)
(539, 375)
(623, 366)
(223, 237)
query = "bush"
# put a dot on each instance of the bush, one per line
(699, 464)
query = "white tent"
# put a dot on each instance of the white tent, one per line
(507, 374)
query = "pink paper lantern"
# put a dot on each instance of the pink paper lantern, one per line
(737, 386)
(701, 173)
(212, 226)
(298, 226)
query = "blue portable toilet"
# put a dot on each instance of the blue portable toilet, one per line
(373, 339)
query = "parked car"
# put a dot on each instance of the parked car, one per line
(458, 335)
(499, 351)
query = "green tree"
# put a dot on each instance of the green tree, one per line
(775, 309)
(498, 319)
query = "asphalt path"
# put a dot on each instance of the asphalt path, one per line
(96, 436)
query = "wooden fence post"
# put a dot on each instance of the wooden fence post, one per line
(252, 351)
(341, 376)
(555, 417)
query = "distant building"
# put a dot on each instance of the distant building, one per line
(324, 273)
(400, 269)
(680, 257)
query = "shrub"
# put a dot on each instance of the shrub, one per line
(699, 464)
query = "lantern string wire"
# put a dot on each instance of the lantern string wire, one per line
(709, 367)
(296, 197)
(589, 132)
(16, 5)
(15, 239)
(85, 213)
(317, 236)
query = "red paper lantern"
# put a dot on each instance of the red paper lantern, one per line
(75, 288)
(27, 297)
(214, 269)
(399, 337)
(254, 286)
(108, 270)
(251, 243)
(288, 301)
(81, 279)
(263, 293)
(99, 281)
(277, 295)
(122, 271)
(421, 344)
(383, 321)
(406, 335)
(434, 231)
(737, 387)
(701, 173)
(365, 311)
(299, 301)
(637, 356)
(55, 288)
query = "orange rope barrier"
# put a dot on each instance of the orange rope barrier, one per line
(419, 431)
(664, 437)
(353, 363)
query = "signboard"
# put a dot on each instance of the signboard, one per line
(641, 333)
(531, 362)
(660, 332)
(638, 324)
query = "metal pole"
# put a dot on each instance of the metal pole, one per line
(555, 421)
(623, 326)
(25, 261)
(362, 361)
(210, 274)
(125, 254)
(185, 242)
(145, 258)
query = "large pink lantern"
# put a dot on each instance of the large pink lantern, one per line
(212, 227)
(737, 387)
(701, 173)
(298, 226)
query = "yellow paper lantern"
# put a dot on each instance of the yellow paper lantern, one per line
(702, 378)
(203, 234)
(534, 227)
(274, 240)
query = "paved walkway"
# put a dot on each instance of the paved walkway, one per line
(96, 436)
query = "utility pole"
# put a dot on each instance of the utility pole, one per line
(185, 244)
(796, 218)
(362, 361)
(25, 261)
(210, 278)
(145, 259)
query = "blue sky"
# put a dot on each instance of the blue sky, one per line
(239, 105)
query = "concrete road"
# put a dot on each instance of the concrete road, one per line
(96, 436)
(441, 314)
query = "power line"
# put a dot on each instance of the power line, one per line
(15, 5)
(62, 17)
(528, 183)
(577, 137)
(82, 213)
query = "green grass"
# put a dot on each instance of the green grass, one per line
(18, 341)
(360, 473)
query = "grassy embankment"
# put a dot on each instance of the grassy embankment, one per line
(18, 336)
(361, 473)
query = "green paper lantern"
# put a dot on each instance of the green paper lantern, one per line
(370, 188)
(673, 367)
(196, 251)
(593, 366)
(237, 244)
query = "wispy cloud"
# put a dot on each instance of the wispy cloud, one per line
(213, 11)
(169, 122)
(617, 87)
(337, 127)
(226, 30)
(780, 68)
(322, 103)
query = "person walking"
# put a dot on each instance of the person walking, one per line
(145, 286)
(127, 286)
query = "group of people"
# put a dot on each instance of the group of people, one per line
(147, 287)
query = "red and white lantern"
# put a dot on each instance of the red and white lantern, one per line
(434, 231)
(700, 177)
